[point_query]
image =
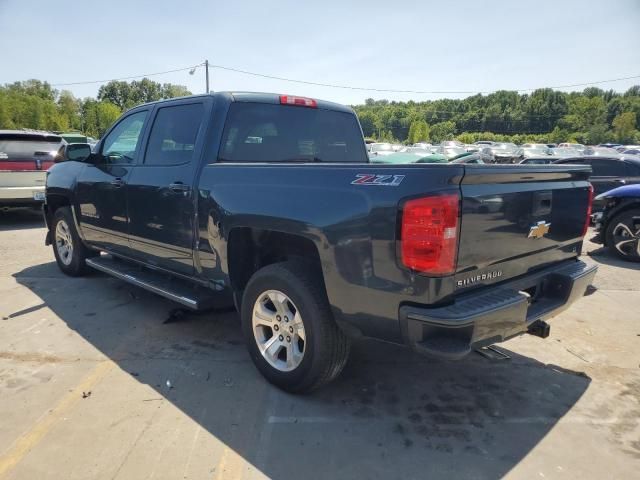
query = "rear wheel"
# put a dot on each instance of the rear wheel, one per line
(623, 235)
(289, 329)
(68, 249)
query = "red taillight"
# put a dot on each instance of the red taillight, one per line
(429, 234)
(587, 221)
(298, 101)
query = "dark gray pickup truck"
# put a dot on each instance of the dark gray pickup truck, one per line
(269, 202)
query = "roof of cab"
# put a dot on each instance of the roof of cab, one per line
(256, 97)
(274, 98)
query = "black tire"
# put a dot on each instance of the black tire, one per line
(630, 249)
(326, 347)
(74, 265)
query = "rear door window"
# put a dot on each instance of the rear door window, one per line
(173, 134)
(260, 132)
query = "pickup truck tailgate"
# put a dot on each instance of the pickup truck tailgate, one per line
(517, 219)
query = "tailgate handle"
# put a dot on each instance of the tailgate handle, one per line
(541, 203)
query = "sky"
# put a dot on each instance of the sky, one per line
(449, 45)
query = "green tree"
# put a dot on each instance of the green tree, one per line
(69, 109)
(368, 123)
(98, 116)
(126, 95)
(443, 131)
(624, 127)
(418, 132)
(584, 113)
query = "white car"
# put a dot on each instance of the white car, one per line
(25, 157)
(380, 149)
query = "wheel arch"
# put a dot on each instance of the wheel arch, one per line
(622, 207)
(53, 203)
(250, 249)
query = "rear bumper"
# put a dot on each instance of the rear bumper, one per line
(495, 314)
(19, 196)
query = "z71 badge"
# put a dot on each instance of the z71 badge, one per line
(381, 180)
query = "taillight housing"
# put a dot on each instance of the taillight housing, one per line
(587, 220)
(298, 101)
(429, 234)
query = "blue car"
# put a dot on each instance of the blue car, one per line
(618, 225)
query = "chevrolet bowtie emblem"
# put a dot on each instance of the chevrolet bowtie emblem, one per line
(539, 230)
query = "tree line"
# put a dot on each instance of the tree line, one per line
(37, 105)
(546, 116)
(543, 116)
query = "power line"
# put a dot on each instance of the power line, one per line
(386, 90)
(88, 82)
(334, 85)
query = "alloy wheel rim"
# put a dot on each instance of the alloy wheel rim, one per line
(278, 330)
(626, 241)
(64, 242)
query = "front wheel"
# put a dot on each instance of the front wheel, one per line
(623, 235)
(289, 328)
(68, 249)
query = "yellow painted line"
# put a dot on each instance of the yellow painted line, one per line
(32, 438)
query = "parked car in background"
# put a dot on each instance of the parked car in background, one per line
(420, 151)
(74, 137)
(469, 158)
(576, 146)
(608, 172)
(25, 157)
(542, 160)
(401, 158)
(453, 152)
(452, 143)
(631, 151)
(421, 145)
(379, 149)
(565, 152)
(535, 150)
(540, 146)
(600, 151)
(486, 154)
(610, 145)
(506, 152)
(618, 225)
(484, 142)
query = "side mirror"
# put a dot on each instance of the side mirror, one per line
(78, 152)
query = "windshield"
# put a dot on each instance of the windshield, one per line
(261, 132)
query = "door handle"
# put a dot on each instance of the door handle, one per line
(117, 182)
(179, 187)
(620, 180)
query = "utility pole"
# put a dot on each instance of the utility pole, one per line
(206, 68)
